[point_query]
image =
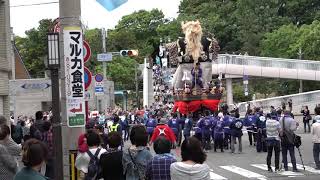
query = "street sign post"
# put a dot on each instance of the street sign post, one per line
(74, 83)
(104, 57)
(86, 51)
(87, 78)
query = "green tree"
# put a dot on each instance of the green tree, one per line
(286, 41)
(94, 38)
(121, 70)
(137, 31)
(33, 48)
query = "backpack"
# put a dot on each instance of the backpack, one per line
(289, 137)
(94, 169)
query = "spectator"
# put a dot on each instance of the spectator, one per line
(136, 157)
(111, 161)
(273, 129)
(192, 165)
(8, 164)
(159, 167)
(162, 129)
(16, 134)
(288, 125)
(34, 155)
(83, 159)
(103, 136)
(25, 131)
(12, 147)
(306, 118)
(315, 131)
(82, 140)
(36, 128)
(47, 139)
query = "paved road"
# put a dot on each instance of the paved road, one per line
(252, 165)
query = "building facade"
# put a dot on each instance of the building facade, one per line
(5, 57)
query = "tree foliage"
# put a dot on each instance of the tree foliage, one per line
(33, 48)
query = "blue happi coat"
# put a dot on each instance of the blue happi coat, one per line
(151, 124)
(218, 130)
(174, 125)
(227, 120)
(206, 124)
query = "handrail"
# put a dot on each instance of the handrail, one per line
(268, 62)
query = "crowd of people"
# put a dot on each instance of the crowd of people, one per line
(103, 152)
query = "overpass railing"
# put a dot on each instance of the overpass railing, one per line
(310, 99)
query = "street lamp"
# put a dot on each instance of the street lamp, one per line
(53, 66)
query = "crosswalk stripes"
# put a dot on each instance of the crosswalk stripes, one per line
(308, 168)
(250, 174)
(282, 173)
(214, 176)
(244, 172)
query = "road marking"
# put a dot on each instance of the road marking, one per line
(283, 173)
(214, 176)
(244, 172)
(308, 168)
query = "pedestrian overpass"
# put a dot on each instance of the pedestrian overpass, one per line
(240, 65)
(310, 99)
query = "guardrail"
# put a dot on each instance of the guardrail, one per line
(266, 67)
(310, 99)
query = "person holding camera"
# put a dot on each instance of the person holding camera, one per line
(288, 126)
(306, 118)
(315, 131)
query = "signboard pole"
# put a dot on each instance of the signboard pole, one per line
(70, 13)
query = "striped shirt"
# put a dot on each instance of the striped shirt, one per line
(273, 127)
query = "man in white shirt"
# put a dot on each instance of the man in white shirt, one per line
(273, 129)
(83, 159)
(315, 131)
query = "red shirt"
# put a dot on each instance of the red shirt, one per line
(165, 130)
(82, 145)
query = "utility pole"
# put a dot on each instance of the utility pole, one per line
(301, 83)
(104, 50)
(137, 83)
(70, 14)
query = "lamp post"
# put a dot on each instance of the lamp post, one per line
(53, 66)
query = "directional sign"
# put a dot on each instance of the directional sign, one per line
(98, 78)
(87, 78)
(99, 91)
(104, 57)
(86, 51)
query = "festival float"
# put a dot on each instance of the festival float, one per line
(193, 87)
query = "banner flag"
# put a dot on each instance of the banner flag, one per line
(111, 4)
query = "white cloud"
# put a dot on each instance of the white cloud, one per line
(93, 15)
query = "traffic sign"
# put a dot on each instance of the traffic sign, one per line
(99, 91)
(86, 51)
(87, 78)
(98, 78)
(105, 57)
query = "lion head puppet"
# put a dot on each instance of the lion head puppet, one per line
(193, 34)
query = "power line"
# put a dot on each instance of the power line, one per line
(36, 4)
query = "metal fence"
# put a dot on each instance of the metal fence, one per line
(310, 99)
(268, 62)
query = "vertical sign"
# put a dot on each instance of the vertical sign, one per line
(74, 65)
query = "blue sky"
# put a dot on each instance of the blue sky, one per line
(93, 15)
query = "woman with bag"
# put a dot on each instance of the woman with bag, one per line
(137, 156)
(306, 118)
